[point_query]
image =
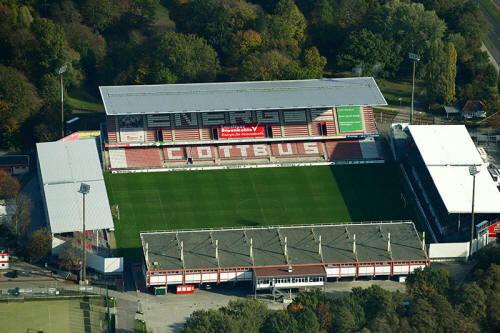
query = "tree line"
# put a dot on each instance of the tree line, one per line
(34, 245)
(432, 303)
(115, 42)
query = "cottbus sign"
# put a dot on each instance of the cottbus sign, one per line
(242, 131)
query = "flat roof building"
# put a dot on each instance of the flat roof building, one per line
(253, 253)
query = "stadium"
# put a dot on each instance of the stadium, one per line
(293, 168)
(250, 156)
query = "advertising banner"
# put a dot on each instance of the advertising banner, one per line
(242, 131)
(349, 118)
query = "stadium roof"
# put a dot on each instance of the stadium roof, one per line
(268, 245)
(240, 96)
(63, 167)
(448, 151)
(445, 145)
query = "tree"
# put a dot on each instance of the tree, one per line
(369, 51)
(40, 244)
(280, 322)
(49, 48)
(429, 278)
(288, 23)
(173, 57)
(408, 25)
(248, 315)
(422, 316)
(472, 302)
(18, 101)
(70, 259)
(21, 220)
(306, 320)
(207, 321)
(218, 20)
(99, 14)
(447, 78)
(9, 186)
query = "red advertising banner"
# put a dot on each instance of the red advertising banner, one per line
(242, 131)
(494, 229)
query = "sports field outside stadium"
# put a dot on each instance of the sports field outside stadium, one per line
(73, 315)
(251, 197)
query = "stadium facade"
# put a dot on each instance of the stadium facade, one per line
(155, 126)
(275, 257)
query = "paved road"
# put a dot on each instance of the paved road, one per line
(494, 35)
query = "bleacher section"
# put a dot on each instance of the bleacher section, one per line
(180, 156)
(143, 157)
(369, 120)
(344, 150)
(200, 126)
(117, 159)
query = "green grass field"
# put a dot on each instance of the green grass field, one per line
(250, 197)
(50, 316)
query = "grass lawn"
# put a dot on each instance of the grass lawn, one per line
(49, 316)
(392, 91)
(250, 197)
(80, 99)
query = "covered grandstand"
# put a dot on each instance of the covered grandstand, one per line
(63, 166)
(437, 160)
(241, 122)
(275, 257)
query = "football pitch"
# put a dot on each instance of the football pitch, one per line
(52, 316)
(251, 197)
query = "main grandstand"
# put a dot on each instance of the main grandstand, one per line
(211, 124)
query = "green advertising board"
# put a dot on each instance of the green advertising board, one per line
(349, 118)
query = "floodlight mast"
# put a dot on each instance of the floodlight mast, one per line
(84, 190)
(415, 57)
(473, 171)
(60, 72)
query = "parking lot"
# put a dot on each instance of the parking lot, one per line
(167, 313)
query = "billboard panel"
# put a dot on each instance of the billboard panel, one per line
(349, 118)
(242, 131)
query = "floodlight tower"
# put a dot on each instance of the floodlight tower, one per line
(473, 170)
(415, 57)
(84, 190)
(60, 72)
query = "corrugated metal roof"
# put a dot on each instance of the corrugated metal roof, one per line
(69, 161)
(63, 167)
(268, 245)
(237, 96)
(65, 207)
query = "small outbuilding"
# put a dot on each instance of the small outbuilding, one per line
(15, 164)
(473, 109)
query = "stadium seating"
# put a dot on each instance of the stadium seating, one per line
(343, 150)
(112, 129)
(253, 151)
(117, 158)
(143, 157)
(370, 125)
